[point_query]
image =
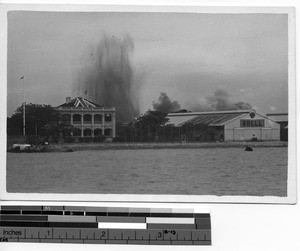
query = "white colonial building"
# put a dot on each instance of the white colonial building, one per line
(89, 118)
(237, 125)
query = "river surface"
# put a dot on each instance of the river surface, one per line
(212, 171)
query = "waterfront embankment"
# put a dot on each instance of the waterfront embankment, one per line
(176, 145)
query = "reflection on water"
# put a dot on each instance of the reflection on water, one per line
(219, 171)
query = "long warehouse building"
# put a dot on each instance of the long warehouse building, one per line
(237, 125)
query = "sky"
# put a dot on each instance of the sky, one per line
(188, 56)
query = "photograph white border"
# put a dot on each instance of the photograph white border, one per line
(291, 192)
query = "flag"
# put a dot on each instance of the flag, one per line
(22, 77)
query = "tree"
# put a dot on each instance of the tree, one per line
(152, 118)
(143, 128)
(42, 120)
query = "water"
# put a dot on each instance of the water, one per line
(219, 171)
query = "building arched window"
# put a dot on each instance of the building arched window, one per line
(108, 132)
(87, 119)
(87, 132)
(107, 117)
(98, 119)
(97, 132)
(76, 119)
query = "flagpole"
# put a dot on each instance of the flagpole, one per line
(86, 94)
(24, 105)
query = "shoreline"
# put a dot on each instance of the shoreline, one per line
(65, 147)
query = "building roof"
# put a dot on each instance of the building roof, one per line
(80, 102)
(178, 120)
(213, 118)
(278, 117)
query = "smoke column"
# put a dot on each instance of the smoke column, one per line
(220, 102)
(165, 104)
(108, 78)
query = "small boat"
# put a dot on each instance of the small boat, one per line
(16, 148)
(248, 149)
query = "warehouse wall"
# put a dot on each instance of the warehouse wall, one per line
(234, 131)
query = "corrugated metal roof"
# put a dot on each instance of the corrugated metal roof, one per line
(80, 102)
(214, 118)
(278, 117)
(177, 120)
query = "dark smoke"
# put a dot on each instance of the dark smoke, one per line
(108, 78)
(165, 104)
(220, 102)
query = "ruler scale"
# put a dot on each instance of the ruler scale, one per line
(104, 225)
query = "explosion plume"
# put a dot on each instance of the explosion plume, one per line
(108, 79)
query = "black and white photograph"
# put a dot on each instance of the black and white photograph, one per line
(150, 103)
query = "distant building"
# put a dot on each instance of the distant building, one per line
(89, 118)
(235, 125)
(282, 119)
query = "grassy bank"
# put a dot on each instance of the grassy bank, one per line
(175, 145)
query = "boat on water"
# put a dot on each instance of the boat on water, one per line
(28, 148)
(249, 149)
(20, 148)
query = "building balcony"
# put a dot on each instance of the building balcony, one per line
(93, 109)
